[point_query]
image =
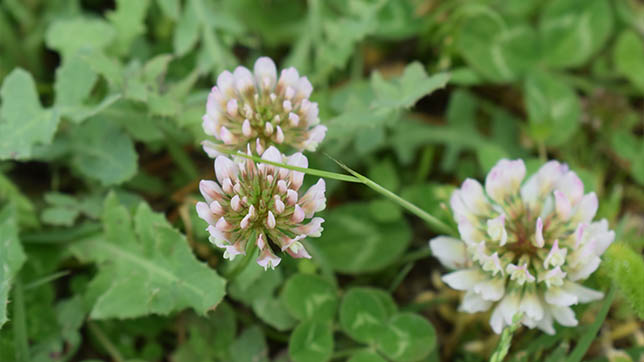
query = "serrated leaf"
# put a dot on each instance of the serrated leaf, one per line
(311, 341)
(69, 35)
(628, 56)
(404, 91)
(26, 211)
(573, 30)
(310, 297)
(128, 20)
(11, 258)
(553, 108)
(354, 242)
(103, 152)
(23, 121)
(272, 311)
(170, 8)
(146, 267)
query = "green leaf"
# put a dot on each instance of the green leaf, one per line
(628, 56)
(187, 31)
(409, 337)
(74, 81)
(272, 311)
(209, 337)
(364, 314)
(404, 91)
(26, 211)
(571, 31)
(366, 356)
(128, 20)
(23, 121)
(310, 297)
(69, 35)
(311, 341)
(626, 269)
(170, 8)
(497, 51)
(145, 267)
(11, 258)
(103, 152)
(354, 242)
(250, 346)
(384, 173)
(553, 108)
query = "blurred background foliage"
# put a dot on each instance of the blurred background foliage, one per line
(100, 123)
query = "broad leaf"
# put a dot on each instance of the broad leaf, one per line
(23, 121)
(145, 267)
(573, 30)
(310, 297)
(628, 56)
(311, 341)
(553, 108)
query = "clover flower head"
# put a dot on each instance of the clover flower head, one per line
(525, 246)
(261, 203)
(259, 109)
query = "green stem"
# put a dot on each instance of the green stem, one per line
(309, 171)
(19, 323)
(45, 280)
(105, 342)
(62, 235)
(424, 215)
(250, 254)
(587, 338)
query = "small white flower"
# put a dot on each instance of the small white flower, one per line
(525, 246)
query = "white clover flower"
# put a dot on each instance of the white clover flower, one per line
(524, 247)
(260, 109)
(260, 203)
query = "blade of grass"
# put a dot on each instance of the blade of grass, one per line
(424, 215)
(308, 171)
(45, 280)
(587, 338)
(506, 339)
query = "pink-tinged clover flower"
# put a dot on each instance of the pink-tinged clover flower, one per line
(260, 109)
(525, 246)
(261, 203)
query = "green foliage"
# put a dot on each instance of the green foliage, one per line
(370, 316)
(354, 242)
(23, 121)
(12, 256)
(626, 270)
(145, 267)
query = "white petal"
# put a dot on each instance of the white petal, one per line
(531, 306)
(504, 179)
(474, 197)
(210, 190)
(463, 279)
(545, 324)
(492, 289)
(496, 320)
(584, 295)
(564, 315)
(560, 297)
(265, 73)
(225, 168)
(203, 210)
(314, 199)
(473, 303)
(449, 251)
(211, 149)
(585, 269)
(587, 208)
(509, 307)
(571, 186)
